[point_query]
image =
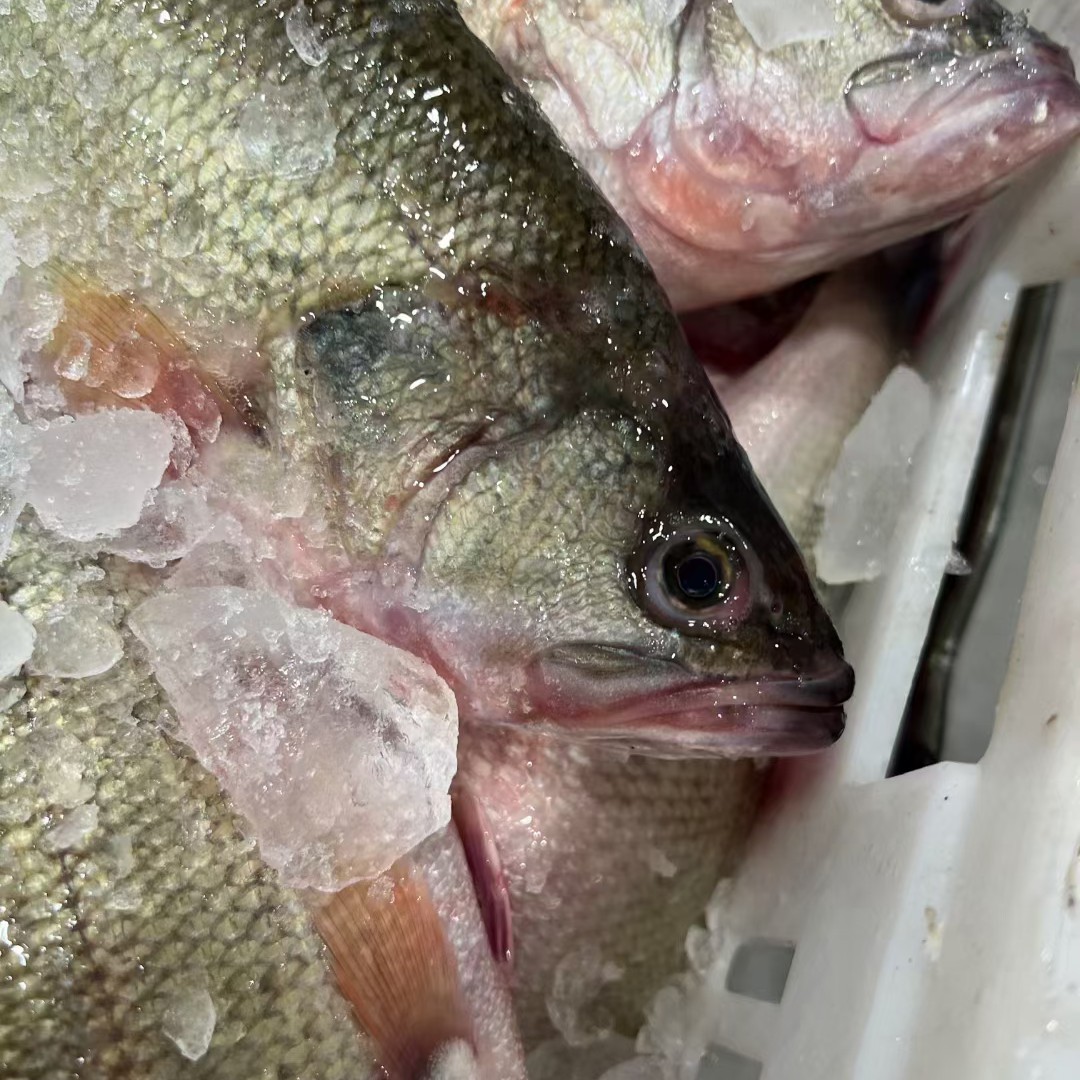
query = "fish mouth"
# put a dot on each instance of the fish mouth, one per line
(609, 694)
(934, 106)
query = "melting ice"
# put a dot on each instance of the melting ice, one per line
(337, 748)
(865, 493)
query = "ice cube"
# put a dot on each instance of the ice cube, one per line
(865, 494)
(189, 1019)
(16, 640)
(76, 639)
(577, 981)
(303, 35)
(285, 130)
(90, 476)
(71, 833)
(776, 23)
(337, 748)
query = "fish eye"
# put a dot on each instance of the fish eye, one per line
(694, 579)
(697, 571)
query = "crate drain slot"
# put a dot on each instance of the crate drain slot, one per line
(759, 969)
(720, 1063)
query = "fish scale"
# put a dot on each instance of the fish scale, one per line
(506, 453)
(606, 853)
(85, 979)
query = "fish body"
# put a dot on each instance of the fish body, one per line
(609, 860)
(450, 337)
(424, 370)
(744, 160)
(159, 908)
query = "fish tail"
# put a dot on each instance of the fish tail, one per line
(395, 967)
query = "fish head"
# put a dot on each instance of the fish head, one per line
(894, 118)
(567, 530)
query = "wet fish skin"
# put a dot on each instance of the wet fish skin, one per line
(474, 344)
(561, 429)
(97, 945)
(605, 854)
(741, 169)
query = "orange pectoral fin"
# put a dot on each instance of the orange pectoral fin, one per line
(395, 967)
(110, 350)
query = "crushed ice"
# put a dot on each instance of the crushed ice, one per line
(75, 484)
(578, 979)
(338, 748)
(16, 640)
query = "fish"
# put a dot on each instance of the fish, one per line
(748, 148)
(623, 893)
(477, 433)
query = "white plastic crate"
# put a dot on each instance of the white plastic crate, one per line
(935, 917)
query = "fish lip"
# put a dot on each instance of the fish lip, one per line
(744, 731)
(1037, 66)
(680, 713)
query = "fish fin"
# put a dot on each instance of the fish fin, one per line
(395, 967)
(485, 866)
(109, 349)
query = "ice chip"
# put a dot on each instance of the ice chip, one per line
(54, 770)
(28, 316)
(578, 980)
(71, 833)
(303, 35)
(16, 640)
(14, 470)
(63, 764)
(286, 130)
(865, 494)
(659, 863)
(9, 259)
(36, 10)
(337, 748)
(776, 23)
(90, 477)
(76, 640)
(189, 1019)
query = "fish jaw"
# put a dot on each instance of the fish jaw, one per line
(1020, 105)
(659, 708)
(727, 214)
